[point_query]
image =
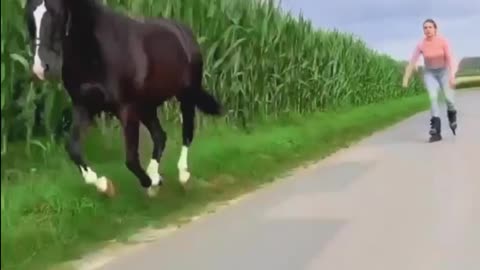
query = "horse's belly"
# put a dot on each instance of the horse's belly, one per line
(165, 80)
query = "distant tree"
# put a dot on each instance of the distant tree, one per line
(469, 66)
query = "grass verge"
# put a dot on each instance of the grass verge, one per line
(466, 82)
(49, 215)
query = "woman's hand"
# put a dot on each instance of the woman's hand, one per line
(406, 76)
(451, 82)
(405, 80)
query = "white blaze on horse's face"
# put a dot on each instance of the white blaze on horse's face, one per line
(38, 67)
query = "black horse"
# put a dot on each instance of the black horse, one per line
(124, 66)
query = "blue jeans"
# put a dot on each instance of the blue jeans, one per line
(436, 79)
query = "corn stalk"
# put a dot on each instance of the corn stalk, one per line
(259, 61)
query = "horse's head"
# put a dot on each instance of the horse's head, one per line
(47, 22)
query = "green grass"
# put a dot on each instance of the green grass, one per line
(49, 215)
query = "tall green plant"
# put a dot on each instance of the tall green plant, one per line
(260, 62)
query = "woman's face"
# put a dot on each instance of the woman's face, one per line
(429, 29)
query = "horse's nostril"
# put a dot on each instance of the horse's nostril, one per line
(46, 68)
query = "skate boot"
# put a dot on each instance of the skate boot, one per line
(435, 130)
(452, 119)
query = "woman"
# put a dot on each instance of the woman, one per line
(439, 72)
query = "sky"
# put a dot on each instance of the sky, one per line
(394, 27)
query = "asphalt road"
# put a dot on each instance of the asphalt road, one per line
(392, 201)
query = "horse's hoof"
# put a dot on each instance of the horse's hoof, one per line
(184, 176)
(152, 191)
(110, 191)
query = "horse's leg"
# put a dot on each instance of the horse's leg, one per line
(187, 107)
(159, 138)
(81, 121)
(131, 123)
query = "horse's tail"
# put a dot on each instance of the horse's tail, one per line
(206, 103)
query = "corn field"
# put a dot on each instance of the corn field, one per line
(260, 62)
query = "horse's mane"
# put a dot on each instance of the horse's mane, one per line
(91, 4)
(95, 8)
(88, 8)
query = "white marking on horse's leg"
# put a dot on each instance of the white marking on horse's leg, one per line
(152, 172)
(182, 165)
(37, 62)
(91, 178)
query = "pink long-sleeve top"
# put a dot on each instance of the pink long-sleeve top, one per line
(436, 54)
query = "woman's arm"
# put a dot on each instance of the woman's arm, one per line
(452, 67)
(411, 65)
